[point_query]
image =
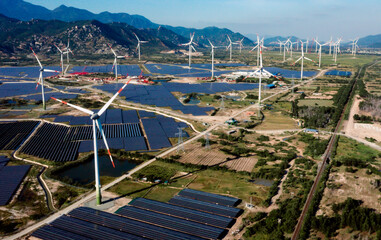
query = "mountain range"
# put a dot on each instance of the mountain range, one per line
(25, 11)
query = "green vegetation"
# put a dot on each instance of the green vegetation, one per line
(316, 146)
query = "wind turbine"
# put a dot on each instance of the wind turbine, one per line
(280, 46)
(190, 48)
(67, 52)
(316, 50)
(261, 70)
(320, 45)
(116, 57)
(61, 57)
(213, 47)
(230, 46)
(139, 42)
(240, 44)
(302, 58)
(330, 46)
(257, 47)
(354, 46)
(41, 79)
(95, 117)
(336, 49)
(307, 45)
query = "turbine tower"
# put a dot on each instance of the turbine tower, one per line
(320, 46)
(230, 46)
(67, 52)
(240, 44)
(307, 45)
(139, 42)
(115, 64)
(257, 47)
(260, 71)
(62, 67)
(95, 117)
(302, 58)
(190, 44)
(41, 79)
(213, 47)
(330, 46)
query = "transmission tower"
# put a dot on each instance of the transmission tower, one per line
(180, 146)
(207, 144)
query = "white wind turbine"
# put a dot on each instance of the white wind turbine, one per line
(280, 46)
(95, 117)
(257, 47)
(67, 52)
(316, 50)
(240, 44)
(139, 42)
(354, 46)
(307, 45)
(336, 49)
(330, 46)
(302, 58)
(115, 64)
(320, 46)
(213, 47)
(61, 57)
(190, 44)
(41, 79)
(260, 72)
(230, 46)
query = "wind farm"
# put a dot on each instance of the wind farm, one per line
(249, 130)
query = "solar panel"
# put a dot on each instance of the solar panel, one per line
(127, 225)
(173, 223)
(209, 197)
(156, 136)
(181, 212)
(134, 144)
(10, 179)
(206, 207)
(52, 233)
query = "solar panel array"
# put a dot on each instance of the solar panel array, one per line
(157, 138)
(184, 213)
(338, 73)
(206, 206)
(3, 161)
(131, 70)
(31, 72)
(10, 180)
(143, 219)
(173, 223)
(17, 89)
(88, 223)
(209, 197)
(14, 133)
(48, 143)
(110, 130)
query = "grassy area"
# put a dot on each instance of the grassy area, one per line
(276, 121)
(348, 148)
(315, 102)
(201, 178)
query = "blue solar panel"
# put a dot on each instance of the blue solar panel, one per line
(84, 120)
(31, 72)
(206, 207)
(172, 223)
(209, 197)
(62, 118)
(134, 144)
(90, 230)
(52, 233)
(10, 179)
(181, 212)
(338, 73)
(130, 116)
(156, 136)
(127, 225)
(145, 114)
(17, 89)
(114, 116)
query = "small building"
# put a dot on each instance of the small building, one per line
(231, 121)
(310, 130)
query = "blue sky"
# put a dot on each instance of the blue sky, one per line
(302, 18)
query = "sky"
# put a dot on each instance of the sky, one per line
(301, 18)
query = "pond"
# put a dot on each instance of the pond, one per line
(84, 173)
(263, 182)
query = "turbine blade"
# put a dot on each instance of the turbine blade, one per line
(111, 49)
(136, 37)
(309, 59)
(103, 109)
(58, 48)
(39, 63)
(99, 125)
(74, 106)
(297, 60)
(48, 70)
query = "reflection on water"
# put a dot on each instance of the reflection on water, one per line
(84, 173)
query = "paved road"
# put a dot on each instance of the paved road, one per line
(91, 196)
